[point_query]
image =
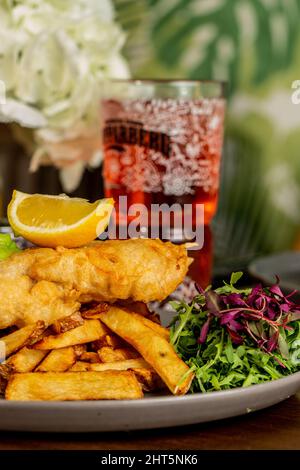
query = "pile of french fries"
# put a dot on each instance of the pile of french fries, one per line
(104, 352)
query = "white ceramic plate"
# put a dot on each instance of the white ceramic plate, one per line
(152, 412)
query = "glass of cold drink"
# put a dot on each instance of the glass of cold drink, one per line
(162, 149)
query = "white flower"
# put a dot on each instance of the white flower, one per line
(53, 56)
(12, 110)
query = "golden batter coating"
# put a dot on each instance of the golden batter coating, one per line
(47, 284)
(137, 269)
(24, 301)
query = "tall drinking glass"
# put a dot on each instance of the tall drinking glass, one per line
(162, 144)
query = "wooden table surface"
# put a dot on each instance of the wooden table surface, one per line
(277, 427)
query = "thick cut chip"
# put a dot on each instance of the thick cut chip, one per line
(147, 376)
(91, 330)
(141, 308)
(107, 385)
(94, 312)
(58, 360)
(155, 349)
(164, 332)
(5, 371)
(67, 323)
(110, 340)
(149, 379)
(26, 359)
(146, 319)
(3, 384)
(107, 354)
(37, 334)
(80, 366)
(138, 307)
(121, 365)
(22, 337)
(90, 357)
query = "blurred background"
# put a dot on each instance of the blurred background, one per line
(255, 46)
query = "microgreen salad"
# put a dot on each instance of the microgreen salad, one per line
(232, 337)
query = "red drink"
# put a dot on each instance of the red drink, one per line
(164, 151)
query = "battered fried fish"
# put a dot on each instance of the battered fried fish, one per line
(47, 284)
(137, 269)
(24, 301)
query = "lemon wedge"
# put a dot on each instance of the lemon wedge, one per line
(58, 220)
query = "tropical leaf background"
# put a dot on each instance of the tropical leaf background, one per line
(255, 46)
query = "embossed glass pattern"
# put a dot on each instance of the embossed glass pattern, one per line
(163, 142)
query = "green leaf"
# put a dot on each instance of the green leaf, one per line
(7, 246)
(243, 42)
(295, 357)
(215, 383)
(283, 345)
(229, 351)
(235, 277)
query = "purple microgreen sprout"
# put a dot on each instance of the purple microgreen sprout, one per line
(260, 313)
